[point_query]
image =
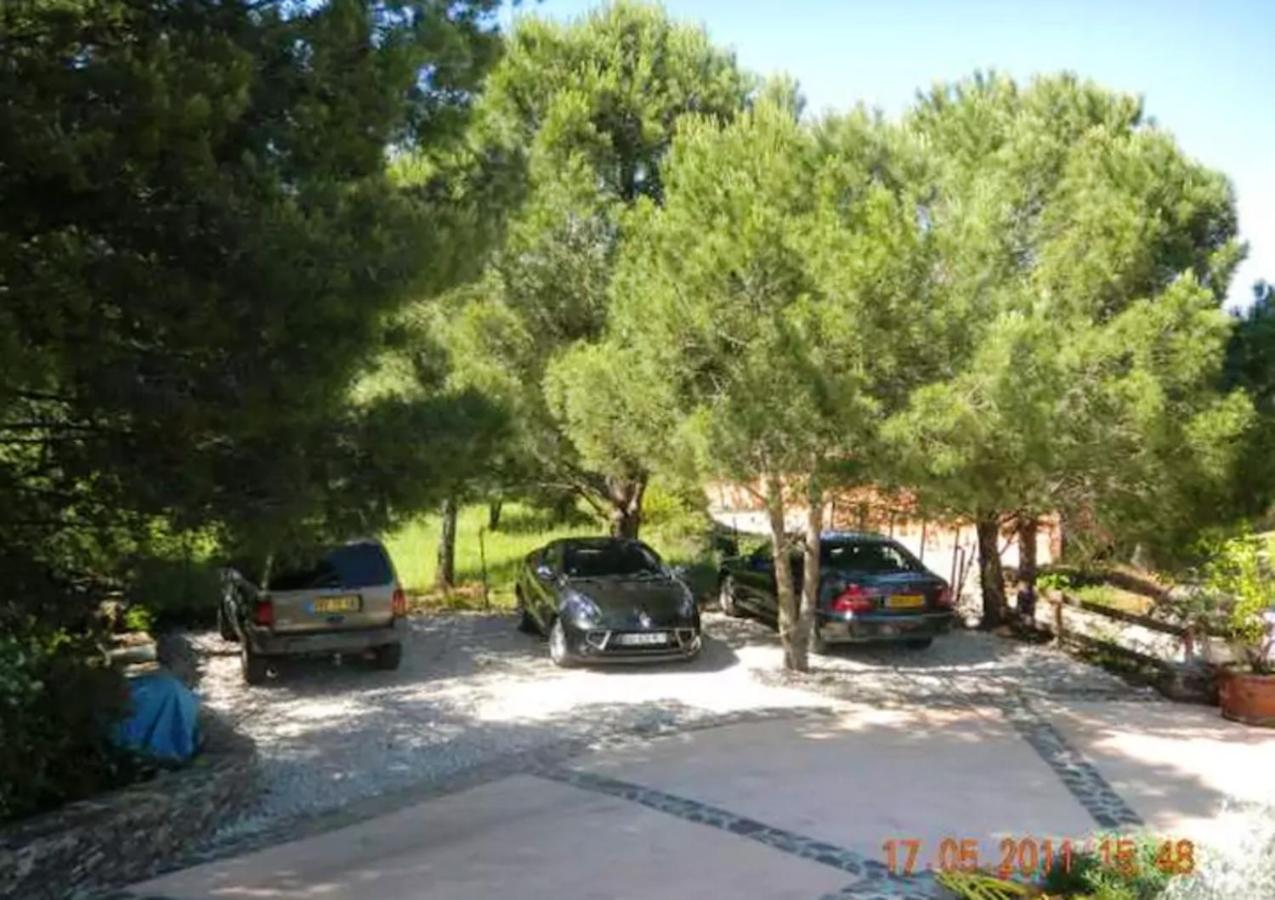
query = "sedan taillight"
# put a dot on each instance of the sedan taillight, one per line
(263, 613)
(945, 597)
(398, 605)
(855, 599)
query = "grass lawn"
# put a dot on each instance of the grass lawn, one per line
(1116, 598)
(414, 549)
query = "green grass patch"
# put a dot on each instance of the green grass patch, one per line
(679, 539)
(1114, 597)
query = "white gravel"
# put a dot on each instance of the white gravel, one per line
(472, 689)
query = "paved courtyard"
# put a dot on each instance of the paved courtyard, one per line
(480, 771)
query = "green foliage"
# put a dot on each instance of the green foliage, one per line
(1091, 875)
(1083, 260)
(592, 107)
(981, 886)
(1240, 583)
(1054, 581)
(173, 592)
(56, 705)
(201, 246)
(1250, 365)
(676, 531)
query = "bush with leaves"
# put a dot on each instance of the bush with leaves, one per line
(56, 706)
(1242, 572)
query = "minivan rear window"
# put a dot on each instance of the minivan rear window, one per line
(351, 566)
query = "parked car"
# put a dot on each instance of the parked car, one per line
(349, 602)
(606, 600)
(870, 589)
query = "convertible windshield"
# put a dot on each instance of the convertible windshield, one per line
(617, 558)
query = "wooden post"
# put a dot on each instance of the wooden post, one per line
(482, 558)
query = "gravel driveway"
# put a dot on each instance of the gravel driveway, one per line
(472, 691)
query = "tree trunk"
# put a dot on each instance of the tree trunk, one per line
(625, 495)
(493, 514)
(784, 589)
(445, 574)
(1027, 548)
(809, 575)
(990, 576)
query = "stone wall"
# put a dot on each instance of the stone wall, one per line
(125, 835)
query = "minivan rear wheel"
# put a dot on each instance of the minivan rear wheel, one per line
(225, 627)
(389, 656)
(254, 667)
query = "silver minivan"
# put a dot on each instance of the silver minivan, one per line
(349, 602)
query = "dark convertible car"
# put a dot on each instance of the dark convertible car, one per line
(870, 589)
(606, 600)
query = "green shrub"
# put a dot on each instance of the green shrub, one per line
(58, 701)
(1108, 877)
(173, 592)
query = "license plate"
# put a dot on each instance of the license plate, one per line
(337, 604)
(641, 640)
(904, 601)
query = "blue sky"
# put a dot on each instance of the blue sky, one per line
(1206, 70)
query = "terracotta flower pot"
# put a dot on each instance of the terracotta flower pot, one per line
(1248, 698)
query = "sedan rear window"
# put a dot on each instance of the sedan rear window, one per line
(875, 557)
(351, 566)
(596, 560)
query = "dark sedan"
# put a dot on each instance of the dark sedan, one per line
(870, 589)
(606, 600)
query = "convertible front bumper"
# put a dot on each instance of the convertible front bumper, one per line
(606, 646)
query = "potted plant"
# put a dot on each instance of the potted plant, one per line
(1241, 575)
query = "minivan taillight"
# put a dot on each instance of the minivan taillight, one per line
(855, 599)
(263, 614)
(399, 603)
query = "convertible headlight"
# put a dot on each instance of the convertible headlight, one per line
(580, 610)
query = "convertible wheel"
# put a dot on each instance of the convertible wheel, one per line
(558, 651)
(526, 624)
(726, 597)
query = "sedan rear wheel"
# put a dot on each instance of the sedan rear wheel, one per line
(558, 650)
(726, 597)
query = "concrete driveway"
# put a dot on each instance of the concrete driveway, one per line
(975, 741)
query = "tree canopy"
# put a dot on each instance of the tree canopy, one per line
(592, 106)
(1081, 262)
(201, 246)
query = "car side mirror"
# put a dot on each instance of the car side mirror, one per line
(544, 572)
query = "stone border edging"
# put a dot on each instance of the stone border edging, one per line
(128, 834)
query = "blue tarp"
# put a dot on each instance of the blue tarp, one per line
(164, 720)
